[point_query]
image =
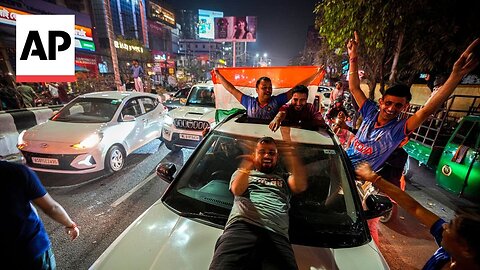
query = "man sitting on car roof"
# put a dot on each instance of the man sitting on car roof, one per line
(298, 112)
(265, 106)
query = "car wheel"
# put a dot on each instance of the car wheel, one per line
(115, 159)
(172, 147)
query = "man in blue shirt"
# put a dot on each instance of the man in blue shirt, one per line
(265, 106)
(382, 131)
(22, 231)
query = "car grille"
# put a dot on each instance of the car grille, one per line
(64, 161)
(191, 124)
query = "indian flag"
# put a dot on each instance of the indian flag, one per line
(245, 78)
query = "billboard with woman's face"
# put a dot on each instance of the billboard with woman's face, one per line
(236, 29)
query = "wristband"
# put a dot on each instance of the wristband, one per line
(243, 170)
(73, 226)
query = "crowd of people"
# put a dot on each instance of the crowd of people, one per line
(379, 137)
(258, 224)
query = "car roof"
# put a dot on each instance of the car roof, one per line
(237, 126)
(204, 84)
(117, 94)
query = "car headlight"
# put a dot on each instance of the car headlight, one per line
(20, 142)
(168, 120)
(89, 142)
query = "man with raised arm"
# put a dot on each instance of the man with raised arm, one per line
(265, 106)
(382, 130)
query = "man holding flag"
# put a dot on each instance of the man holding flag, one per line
(265, 106)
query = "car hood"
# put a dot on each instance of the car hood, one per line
(194, 113)
(55, 131)
(160, 239)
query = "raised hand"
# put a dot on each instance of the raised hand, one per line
(352, 45)
(468, 60)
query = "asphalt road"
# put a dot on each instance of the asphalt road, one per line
(106, 206)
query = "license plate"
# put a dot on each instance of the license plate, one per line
(45, 161)
(190, 137)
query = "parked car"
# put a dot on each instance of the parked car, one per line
(178, 99)
(93, 132)
(328, 226)
(183, 126)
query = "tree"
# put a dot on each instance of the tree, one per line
(399, 38)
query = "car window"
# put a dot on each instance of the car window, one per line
(149, 104)
(182, 93)
(201, 96)
(88, 110)
(132, 107)
(203, 187)
(467, 134)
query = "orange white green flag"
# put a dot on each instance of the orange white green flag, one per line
(245, 78)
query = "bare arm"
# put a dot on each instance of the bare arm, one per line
(466, 63)
(364, 172)
(297, 180)
(354, 80)
(229, 86)
(305, 82)
(277, 121)
(55, 211)
(240, 183)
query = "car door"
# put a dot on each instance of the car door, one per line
(459, 168)
(135, 136)
(152, 118)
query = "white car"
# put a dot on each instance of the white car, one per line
(183, 126)
(93, 132)
(328, 226)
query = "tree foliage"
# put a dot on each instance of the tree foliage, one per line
(399, 39)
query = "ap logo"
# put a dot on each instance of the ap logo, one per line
(45, 49)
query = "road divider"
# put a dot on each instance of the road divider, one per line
(13, 122)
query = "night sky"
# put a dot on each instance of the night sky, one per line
(281, 24)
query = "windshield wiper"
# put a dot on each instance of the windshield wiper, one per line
(204, 215)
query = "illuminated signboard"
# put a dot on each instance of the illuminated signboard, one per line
(83, 35)
(236, 29)
(127, 47)
(206, 23)
(162, 14)
(9, 15)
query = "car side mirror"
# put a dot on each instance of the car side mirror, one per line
(166, 171)
(377, 206)
(128, 118)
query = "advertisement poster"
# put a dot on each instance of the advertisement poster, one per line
(206, 23)
(241, 28)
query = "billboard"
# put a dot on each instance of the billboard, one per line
(236, 29)
(206, 23)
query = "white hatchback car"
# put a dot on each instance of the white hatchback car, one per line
(93, 132)
(328, 226)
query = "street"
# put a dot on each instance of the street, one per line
(105, 207)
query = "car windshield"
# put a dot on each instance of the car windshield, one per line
(201, 96)
(324, 215)
(182, 93)
(88, 110)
